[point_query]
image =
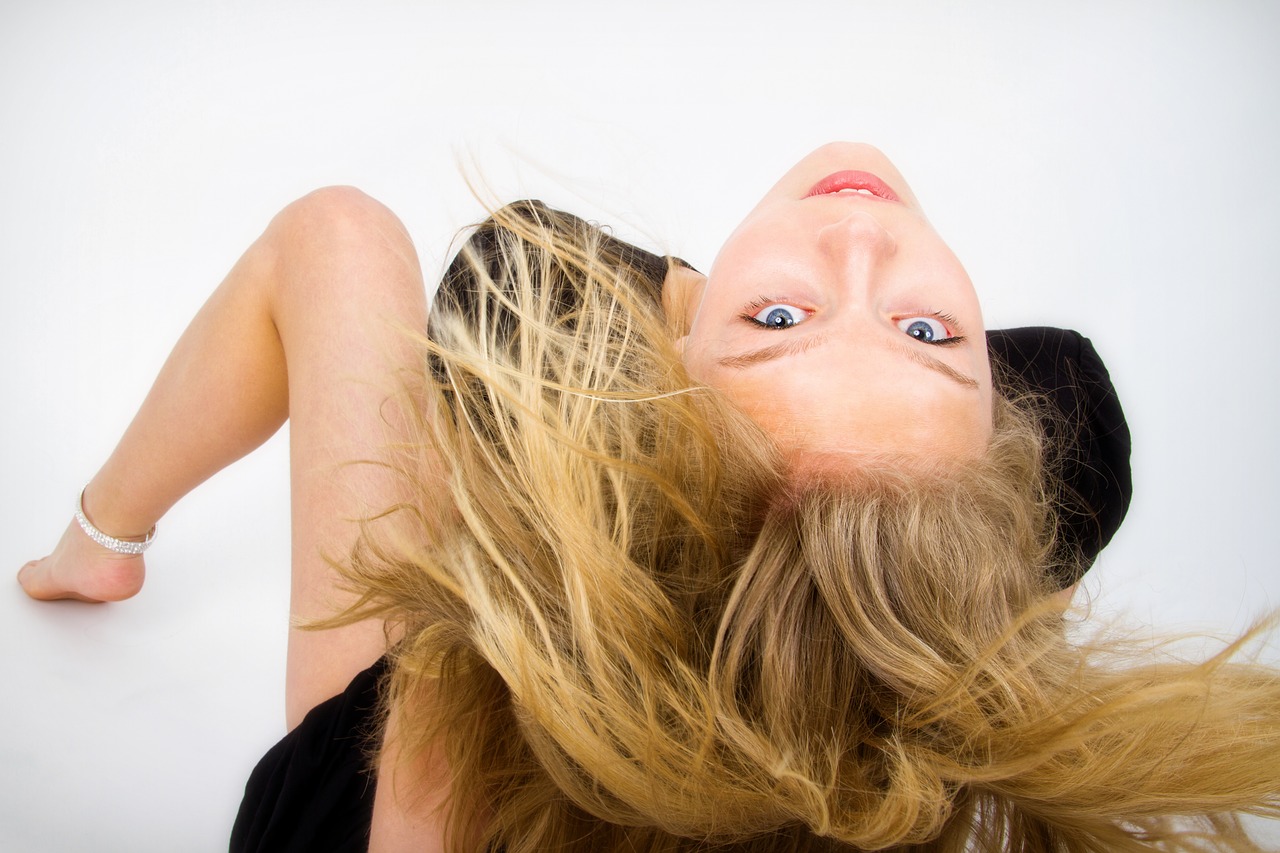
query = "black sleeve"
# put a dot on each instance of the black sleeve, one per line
(1087, 430)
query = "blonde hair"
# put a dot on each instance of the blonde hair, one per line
(636, 633)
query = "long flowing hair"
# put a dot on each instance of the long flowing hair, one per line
(635, 631)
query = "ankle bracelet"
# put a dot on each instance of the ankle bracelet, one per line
(111, 543)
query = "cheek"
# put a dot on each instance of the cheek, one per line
(769, 242)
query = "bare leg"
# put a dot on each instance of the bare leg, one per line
(305, 326)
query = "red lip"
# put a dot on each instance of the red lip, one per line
(854, 180)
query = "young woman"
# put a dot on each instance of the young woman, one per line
(762, 561)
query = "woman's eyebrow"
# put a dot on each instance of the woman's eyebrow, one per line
(940, 366)
(794, 346)
(791, 346)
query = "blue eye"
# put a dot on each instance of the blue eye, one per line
(778, 316)
(927, 330)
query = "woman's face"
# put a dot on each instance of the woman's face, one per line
(836, 318)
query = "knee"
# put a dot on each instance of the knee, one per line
(339, 215)
(337, 229)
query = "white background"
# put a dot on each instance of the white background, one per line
(1113, 166)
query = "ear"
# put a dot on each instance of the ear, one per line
(681, 296)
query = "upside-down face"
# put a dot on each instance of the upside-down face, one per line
(837, 318)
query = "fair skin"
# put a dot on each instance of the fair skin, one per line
(872, 338)
(307, 327)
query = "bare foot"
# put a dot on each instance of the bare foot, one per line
(81, 569)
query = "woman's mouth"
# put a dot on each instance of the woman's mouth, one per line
(854, 182)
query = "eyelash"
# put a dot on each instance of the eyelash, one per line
(952, 324)
(749, 312)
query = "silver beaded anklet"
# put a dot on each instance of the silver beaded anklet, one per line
(111, 543)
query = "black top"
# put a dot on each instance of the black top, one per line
(313, 790)
(1086, 428)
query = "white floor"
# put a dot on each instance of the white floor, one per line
(1108, 167)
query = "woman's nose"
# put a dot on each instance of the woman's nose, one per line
(857, 238)
(858, 249)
